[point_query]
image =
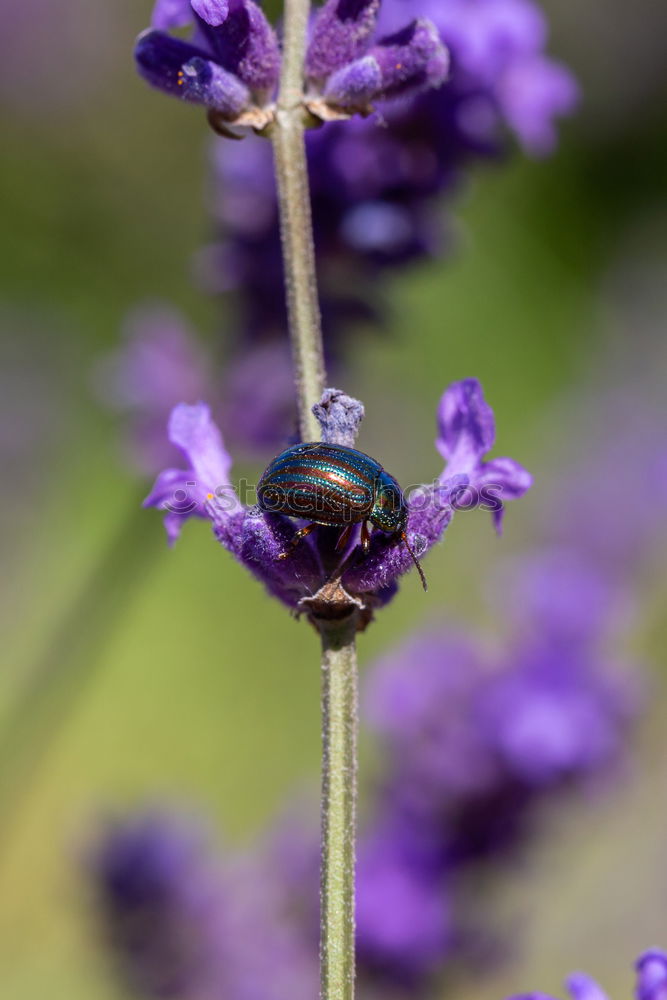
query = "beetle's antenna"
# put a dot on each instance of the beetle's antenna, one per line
(415, 561)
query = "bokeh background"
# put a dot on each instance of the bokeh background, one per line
(134, 674)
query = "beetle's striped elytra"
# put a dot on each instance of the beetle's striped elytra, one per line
(334, 485)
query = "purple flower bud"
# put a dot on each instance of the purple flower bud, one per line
(245, 44)
(339, 417)
(204, 82)
(214, 12)
(354, 86)
(340, 35)
(411, 60)
(160, 59)
(651, 975)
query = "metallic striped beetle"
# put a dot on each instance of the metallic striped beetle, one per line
(337, 486)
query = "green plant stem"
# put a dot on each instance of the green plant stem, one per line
(339, 793)
(296, 226)
(339, 656)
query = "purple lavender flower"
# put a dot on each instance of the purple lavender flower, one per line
(473, 740)
(232, 64)
(651, 982)
(404, 924)
(258, 540)
(161, 899)
(350, 73)
(185, 924)
(467, 432)
(556, 715)
(651, 970)
(340, 34)
(582, 512)
(499, 71)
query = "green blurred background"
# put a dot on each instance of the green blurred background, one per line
(176, 676)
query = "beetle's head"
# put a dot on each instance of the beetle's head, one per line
(389, 512)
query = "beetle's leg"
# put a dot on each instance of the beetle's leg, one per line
(344, 537)
(365, 538)
(298, 535)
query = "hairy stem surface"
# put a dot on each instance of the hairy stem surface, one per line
(339, 793)
(296, 226)
(339, 656)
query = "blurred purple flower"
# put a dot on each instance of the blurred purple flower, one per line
(558, 596)
(403, 916)
(498, 64)
(159, 364)
(473, 742)
(557, 715)
(184, 924)
(651, 968)
(256, 428)
(611, 513)
(161, 899)
(258, 540)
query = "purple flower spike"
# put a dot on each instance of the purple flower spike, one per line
(651, 975)
(466, 433)
(354, 86)
(339, 417)
(340, 35)
(260, 540)
(205, 82)
(412, 60)
(214, 12)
